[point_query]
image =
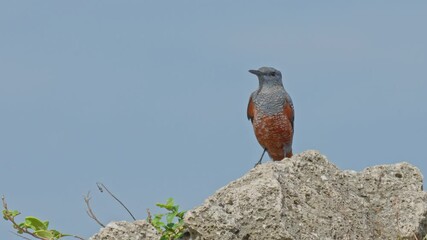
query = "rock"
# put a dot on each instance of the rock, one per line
(138, 230)
(307, 197)
(304, 197)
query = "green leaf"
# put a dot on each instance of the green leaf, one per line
(14, 213)
(170, 217)
(175, 208)
(170, 202)
(35, 223)
(10, 213)
(179, 235)
(158, 216)
(44, 234)
(181, 214)
(161, 224)
(163, 237)
(57, 234)
(23, 225)
(161, 205)
(179, 224)
(173, 228)
(156, 221)
(169, 226)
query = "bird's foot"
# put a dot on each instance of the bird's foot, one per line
(258, 163)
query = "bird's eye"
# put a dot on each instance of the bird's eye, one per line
(273, 74)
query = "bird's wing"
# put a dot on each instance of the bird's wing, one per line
(251, 110)
(288, 109)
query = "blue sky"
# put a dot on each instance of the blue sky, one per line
(149, 97)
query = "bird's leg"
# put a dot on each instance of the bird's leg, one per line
(262, 155)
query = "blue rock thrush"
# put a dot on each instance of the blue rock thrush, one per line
(271, 112)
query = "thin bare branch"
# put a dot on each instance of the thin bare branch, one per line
(4, 202)
(19, 235)
(89, 211)
(415, 236)
(149, 216)
(75, 236)
(101, 186)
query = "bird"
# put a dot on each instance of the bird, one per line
(271, 112)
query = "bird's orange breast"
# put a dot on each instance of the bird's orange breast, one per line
(275, 133)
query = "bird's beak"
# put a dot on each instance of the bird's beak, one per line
(256, 72)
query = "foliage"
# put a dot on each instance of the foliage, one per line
(32, 226)
(173, 228)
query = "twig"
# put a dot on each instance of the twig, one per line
(149, 215)
(101, 186)
(89, 211)
(19, 235)
(75, 236)
(415, 236)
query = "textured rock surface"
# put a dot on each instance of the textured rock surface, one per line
(138, 230)
(307, 197)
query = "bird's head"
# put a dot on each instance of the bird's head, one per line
(268, 76)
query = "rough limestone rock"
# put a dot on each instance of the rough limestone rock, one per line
(138, 230)
(307, 197)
